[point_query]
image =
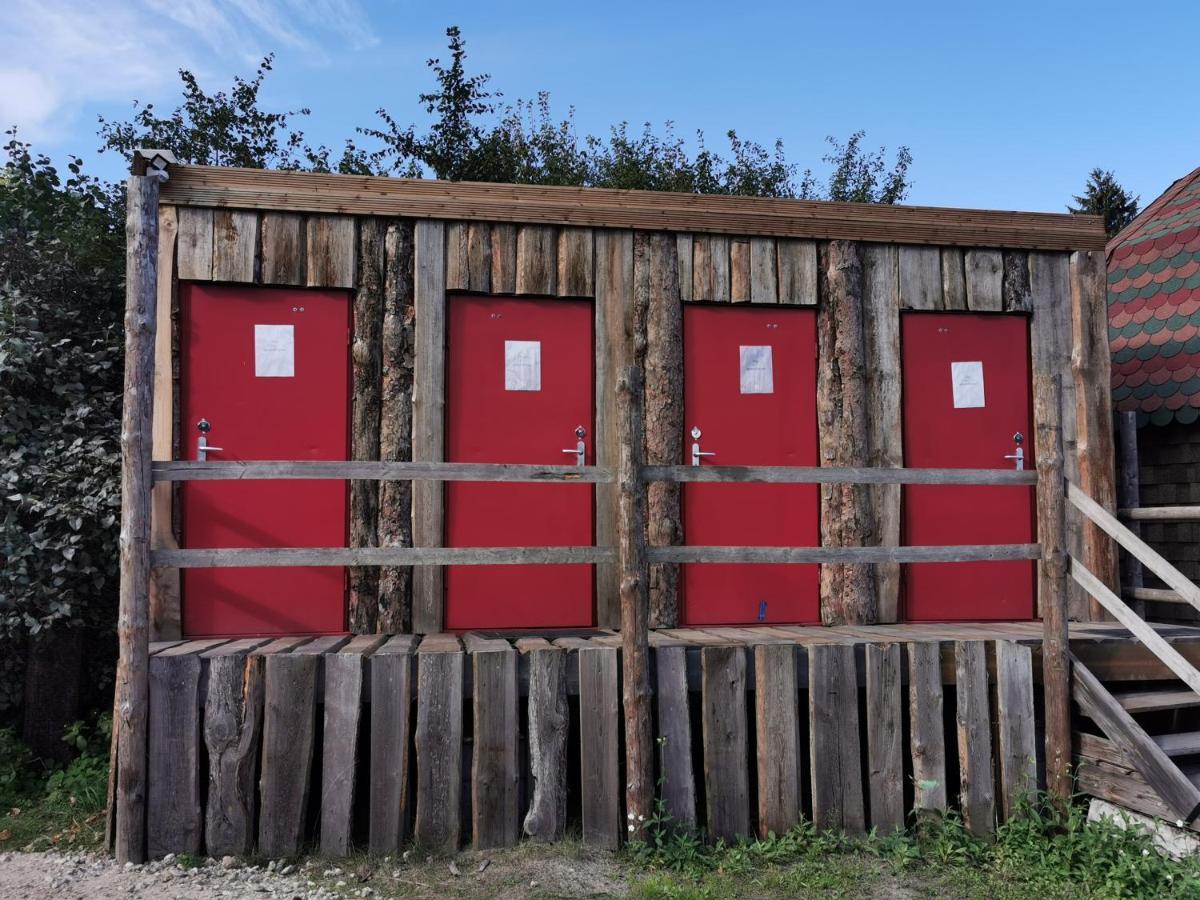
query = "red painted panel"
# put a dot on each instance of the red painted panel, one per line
(485, 422)
(256, 418)
(938, 435)
(768, 429)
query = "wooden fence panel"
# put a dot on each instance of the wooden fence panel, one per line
(233, 715)
(926, 736)
(391, 734)
(976, 782)
(174, 821)
(599, 744)
(777, 737)
(235, 245)
(289, 726)
(837, 795)
(494, 767)
(549, 721)
(676, 771)
(885, 738)
(439, 750)
(1017, 725)
(726, 759)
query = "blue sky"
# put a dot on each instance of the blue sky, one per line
(1004, 104)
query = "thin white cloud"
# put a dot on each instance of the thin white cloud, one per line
(56, 58)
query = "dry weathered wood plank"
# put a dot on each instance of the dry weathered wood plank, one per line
(797, 272)
(928, 740)
(195, 262)
(495, 740)
(881, 335)
(726, 762)
(429, 406)
(954, 288)
(764, 272)
(289, 725)
(739, 271)
(821, 475)
(599, 743)
(549, 720)
(777, 738)
(614, 354)
(174, 818)
(504, 258)
(683, 251)
(283, 256)
(885, 738)
(1014, 284)
(977, 795)
(331, 251)
(235, 245)
(984, 279)
(837, 794)
(479, 257)
(576, 263)
(710, 267)
(1016, 725)
(439, 750)
(920, 279)
(537, 263)
(443, 471)
(457, 266)
(391, 733)
(422, 556)
(848, 592)
(677, 777)
(233, 714)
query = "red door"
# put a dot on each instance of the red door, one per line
(269, 370)
(966, 394)
(519, 384)
(750, 387)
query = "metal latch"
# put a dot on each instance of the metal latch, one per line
(202, 444)
(1019, 456)
(696, 451)
(580, 449)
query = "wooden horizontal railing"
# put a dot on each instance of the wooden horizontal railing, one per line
(379, 556)
(953, 553)
(822, 475)
(1161, 514)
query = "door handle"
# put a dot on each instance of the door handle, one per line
(580, 449)
(202, 444)
(1019, 455)
(696, 451)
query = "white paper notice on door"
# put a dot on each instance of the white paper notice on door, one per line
(522, 365)
(274, 351)
(756, 369)
(967, 378)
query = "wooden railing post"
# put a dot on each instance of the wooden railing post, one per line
(132, 687)
(635, 607)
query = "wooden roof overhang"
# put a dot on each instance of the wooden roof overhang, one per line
(265, 189)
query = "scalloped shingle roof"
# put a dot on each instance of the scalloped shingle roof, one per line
(1154, 308)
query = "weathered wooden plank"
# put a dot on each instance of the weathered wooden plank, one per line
(920, 279)
(885, 738)
(739, 271)
(289, 725)
(549, 721)
(283, 252)
(1014, 285)
(457, 266)
(764, 272)
(614, 354)
(954, 287)
(677, 779)
(837, 794)
(537, 263)
(439, 743)
(495, 741)
(927, 739)
(683, 251)
(777, 738)
(726, 775)
(404, 470)
(195, 260)
(599, 743)
(710, 267)
(829, 475)
(429, 407)
(235, 245)
(391, 670)
(977, 795)
(797, 272)
(233, 714)
(984, 280)
(848, 593)
(504, 258)
(331, 251)
(479, 257)
(881, 335)
(1016, 726)
(174, 818)
(576, 263)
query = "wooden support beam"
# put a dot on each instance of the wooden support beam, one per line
(777, 738)
(835, 556)
(133, 626)
(848, 591)
(388, 470)
(429, 406)
(381, 556)
(549, 721)
(885, 738)
(826, 475)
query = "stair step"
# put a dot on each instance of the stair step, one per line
(1185, 743)
(1158, 699)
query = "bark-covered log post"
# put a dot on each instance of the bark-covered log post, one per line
(848, 591)
(635, 608)
(132, 681)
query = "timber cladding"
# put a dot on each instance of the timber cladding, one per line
(400, 247)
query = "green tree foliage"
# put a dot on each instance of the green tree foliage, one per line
(61, 275)
(1104, 196)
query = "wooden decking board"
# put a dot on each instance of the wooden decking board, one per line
(440, 643)
(233, 648)
(1185, 743)
(399, 643)
(1157, 699)
(160, 646)
(320, 646)
(189, 648)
